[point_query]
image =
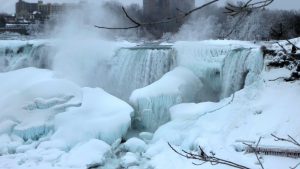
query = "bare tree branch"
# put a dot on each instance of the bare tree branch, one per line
(204, 158)
(168, 20)
(296, 166)
(289, 139)
(233, 10)
(255, 152)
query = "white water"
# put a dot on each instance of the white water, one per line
(22, 54)
(133, 68)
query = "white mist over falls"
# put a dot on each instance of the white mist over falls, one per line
(81, 97)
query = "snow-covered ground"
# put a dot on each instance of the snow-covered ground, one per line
(54, 119)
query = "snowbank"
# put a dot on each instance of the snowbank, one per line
(259, 110)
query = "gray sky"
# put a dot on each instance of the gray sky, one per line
(8, 5)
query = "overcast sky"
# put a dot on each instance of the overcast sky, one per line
(8, 6)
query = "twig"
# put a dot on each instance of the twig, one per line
(211, 111)
(255, 151)
(292, 44)
(284, 50)
(248, 7)
(296, 166)
(289, 139)
(204, 158)
(272, 80)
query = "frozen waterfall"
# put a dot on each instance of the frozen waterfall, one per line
(21, 54)
(216, 71)
(137, 67)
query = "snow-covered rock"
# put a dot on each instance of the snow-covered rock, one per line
(91, 153)
(129, 160)
(135, 145)
(41, 112)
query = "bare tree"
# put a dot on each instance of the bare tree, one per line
(232, 10)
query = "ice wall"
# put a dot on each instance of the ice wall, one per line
(133, 68)
(152, 102)
(20, 54)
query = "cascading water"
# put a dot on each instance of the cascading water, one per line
(133, 68)
(220, 69)
(25, 55)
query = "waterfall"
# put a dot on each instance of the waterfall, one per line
(219, 70)
(25, 55)
(133, 68)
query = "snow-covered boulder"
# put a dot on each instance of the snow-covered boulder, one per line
(91, 153)
(41, 111)
(135, 145)
(152, 102)
(129, 160)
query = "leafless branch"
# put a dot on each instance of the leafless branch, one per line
(292, 44)
(138, 24)
(255, 152)
(272, 80)
(205, 158)
(289, 139)
(296, 166)
(284, 50)
(233, 10)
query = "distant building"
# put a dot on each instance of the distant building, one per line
(162, 9)
(40, 10)
(158, 10)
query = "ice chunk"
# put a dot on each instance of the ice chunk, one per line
(152, 102)
(91, 153)
(129, 160)
(135, 145)
(146, 136)
(100, 116)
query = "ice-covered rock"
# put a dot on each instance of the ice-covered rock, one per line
(146, 136)
(129, 160)
(100, 116)
(135, 145)
(43, 105)
(152, 102)
(91, 153)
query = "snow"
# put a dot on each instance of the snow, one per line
(217, 131)
(213, 94)
(135, 145)
(86, 155)
(129, 160)
(152, 102)
(42, 113)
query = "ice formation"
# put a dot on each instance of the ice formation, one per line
(37, 106)
(152, 102)
(217, 70)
